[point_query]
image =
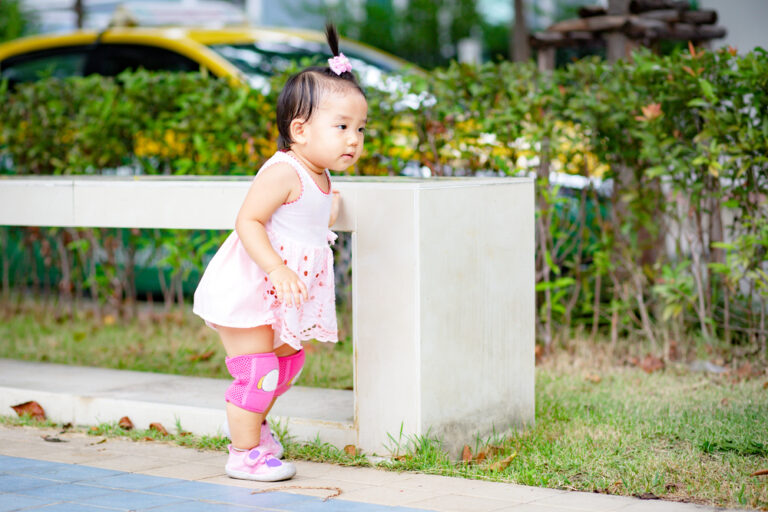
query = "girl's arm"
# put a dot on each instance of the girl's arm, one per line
(335, 201)
(271, 188)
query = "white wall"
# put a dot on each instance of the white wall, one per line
(745, 21)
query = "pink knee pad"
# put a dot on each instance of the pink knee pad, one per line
(290, 368)
(256, 377)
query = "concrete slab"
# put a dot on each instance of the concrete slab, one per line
(89, 396)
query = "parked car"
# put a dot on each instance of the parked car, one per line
(246, 55)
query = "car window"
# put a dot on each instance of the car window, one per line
(262, 59)
(60, 62)
(111, 59)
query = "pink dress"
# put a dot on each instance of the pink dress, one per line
(235, 292)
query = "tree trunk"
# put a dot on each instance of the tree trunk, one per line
(521, 47)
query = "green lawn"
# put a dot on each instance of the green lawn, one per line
(600, 426)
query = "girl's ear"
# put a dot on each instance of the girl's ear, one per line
(297, 130)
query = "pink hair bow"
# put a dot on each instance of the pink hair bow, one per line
(339, 64)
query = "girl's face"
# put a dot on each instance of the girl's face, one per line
(333, 137)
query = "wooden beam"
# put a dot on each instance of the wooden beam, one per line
(703, 17)
(587, 11)
(668, 15)
(593, 24)
(638, 6)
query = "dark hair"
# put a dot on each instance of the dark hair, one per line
(303, 91)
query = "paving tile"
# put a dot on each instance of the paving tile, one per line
(334, 505)
(73, 472)
(186, 471)
(65, 491)
(460, 503)
(130, 463)
(532, 507)
(198, 506)
(665, 506)
(15, 464)
(10, 502)
(130, 481)
(386, 495)
(73, 507)
(133, 500)
(364, 475)
(591, 502)
(16, 483)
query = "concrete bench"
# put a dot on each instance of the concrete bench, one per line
(442, 290)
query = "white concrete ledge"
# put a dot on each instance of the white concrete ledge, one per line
(443, 285)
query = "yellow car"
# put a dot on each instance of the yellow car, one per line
(247, 55)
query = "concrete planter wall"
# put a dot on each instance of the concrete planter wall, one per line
(443, 290)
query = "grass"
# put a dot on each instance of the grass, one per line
(600, 426)
(175, 342)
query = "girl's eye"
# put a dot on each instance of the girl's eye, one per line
(361, 129)
(342, 126)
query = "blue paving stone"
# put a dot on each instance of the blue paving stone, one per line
(132, 481)
(10, 502)
(199, 506)
(17, 464)
(71, 507)
(72, 472)
(228, 494)
(133, 500)
(65, 491)
(16, 483)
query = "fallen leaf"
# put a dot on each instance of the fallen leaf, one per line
(158, 427)
(466, 454)
(67, 426)
(503, 464)
(594, 378)
(94, 429)
(762, 472)
(744, 371)
(125, 423)
(647, 496)
(147, 438)
(765, 385)
(203, 356)
(651, 363)
(51, 439)
(30, 408)
(99, 442)
(350, 450)
(185, 433)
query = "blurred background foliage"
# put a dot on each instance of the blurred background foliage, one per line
(651, 180)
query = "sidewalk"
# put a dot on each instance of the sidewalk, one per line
(76, 472)
(84, 473)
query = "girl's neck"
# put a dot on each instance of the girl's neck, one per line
(305, 162)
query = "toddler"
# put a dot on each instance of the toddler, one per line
(270, 286)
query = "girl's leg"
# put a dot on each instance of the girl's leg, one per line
(244, 425)
(283, 350)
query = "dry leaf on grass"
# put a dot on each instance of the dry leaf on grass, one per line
(651, 363)
(466, 454)
(202, 356)
(350, 450)
(762, 472)
(159, 428)
(594, 378)
(125, 423)
(30, 408)
(503, 464)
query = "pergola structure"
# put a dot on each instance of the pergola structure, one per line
(625, 25)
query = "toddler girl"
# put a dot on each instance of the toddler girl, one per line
(270, 286)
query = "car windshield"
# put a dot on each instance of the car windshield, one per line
(260, 60)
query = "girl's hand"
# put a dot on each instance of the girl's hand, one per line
(289, 288)
(335, 203)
